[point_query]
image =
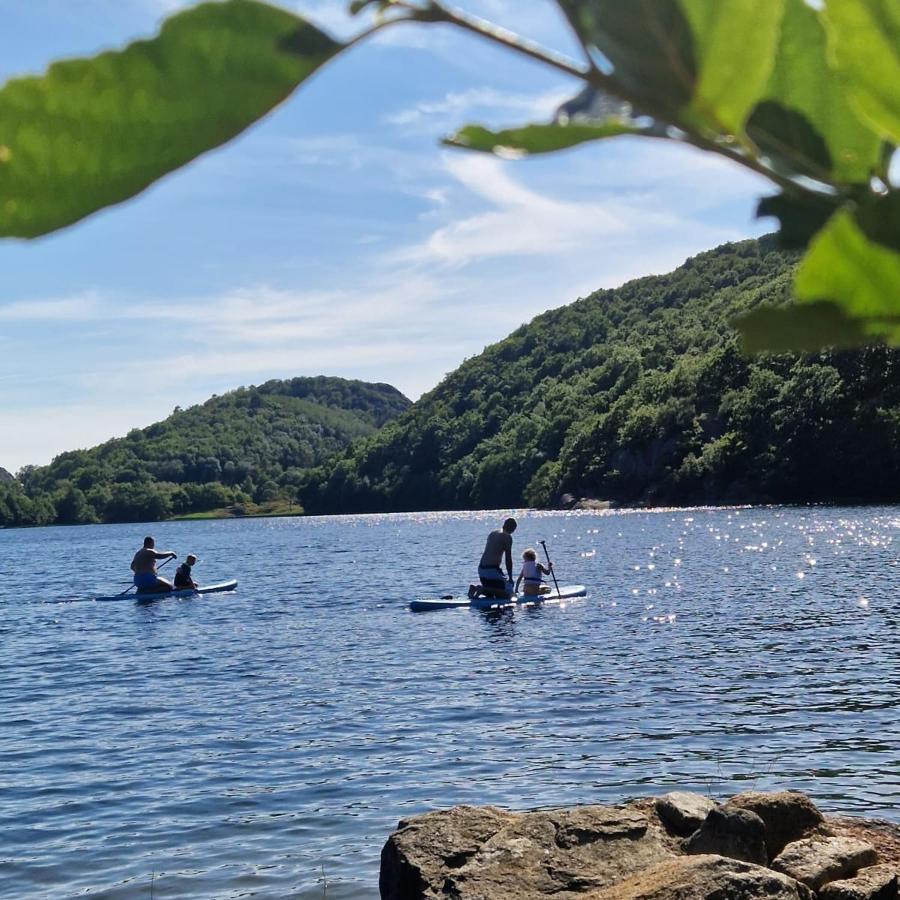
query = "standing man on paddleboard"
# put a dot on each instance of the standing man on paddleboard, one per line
(144, 567)
(498, 549)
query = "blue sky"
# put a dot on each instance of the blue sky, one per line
(336, 237)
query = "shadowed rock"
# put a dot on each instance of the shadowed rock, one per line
(736, 833)
(788, 816)
(683, 812)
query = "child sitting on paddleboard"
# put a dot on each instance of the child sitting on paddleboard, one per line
(183, 579)
(531, 574)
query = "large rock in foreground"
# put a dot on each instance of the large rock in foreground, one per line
(641, 851)
(469, 852)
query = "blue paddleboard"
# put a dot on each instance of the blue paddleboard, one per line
(566, 592)
(186, 592)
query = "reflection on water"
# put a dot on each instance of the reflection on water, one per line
(265, 743)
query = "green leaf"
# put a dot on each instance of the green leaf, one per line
(846, 285)
(855, 270)
(801, 216)
(736, 42)
(530, 139)
(864, 40)
(93, 132)
(804, 121)
(879, 218)
(685, 60)
(799, 328)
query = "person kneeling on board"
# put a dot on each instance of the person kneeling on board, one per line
(498, 549)
(531, 575)
(183, 579)
(144, 567)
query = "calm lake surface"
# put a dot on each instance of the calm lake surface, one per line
(265, 743)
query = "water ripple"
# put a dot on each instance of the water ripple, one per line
(265, 743)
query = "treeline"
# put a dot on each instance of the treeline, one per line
(251, 445)
(638, 395)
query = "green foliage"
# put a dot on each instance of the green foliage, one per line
(864, 38)
(90, 133)
(806, 96)
(638, 395)
(538, 138)
(805, 328)
(803, 121)
(685, 60)
(843, 261)
(251, 445)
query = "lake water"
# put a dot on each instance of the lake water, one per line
(265, 743)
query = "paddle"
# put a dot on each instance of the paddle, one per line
(550, 566)
(132, 586)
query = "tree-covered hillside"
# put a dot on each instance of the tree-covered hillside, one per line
(638, 395)
(248, 446)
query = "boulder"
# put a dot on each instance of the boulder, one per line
(882, 835)
(423, 848)
(872, 883)
(704, 878)
(591, 503)
(788, 816)
(462, 854)
(736, 833)
(818, 860)
(634, 852)
(683, 812)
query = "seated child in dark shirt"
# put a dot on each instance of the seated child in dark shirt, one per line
(183, 574)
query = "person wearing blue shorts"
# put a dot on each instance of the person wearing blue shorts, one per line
(144, 567)
(497, 550)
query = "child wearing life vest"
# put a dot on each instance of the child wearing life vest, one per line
(531, 574)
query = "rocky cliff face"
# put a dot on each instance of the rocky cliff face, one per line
(5, 476)
(681, 846)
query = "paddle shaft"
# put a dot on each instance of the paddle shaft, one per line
(550, 567)
(132, 586)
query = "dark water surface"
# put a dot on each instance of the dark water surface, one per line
(265, 743)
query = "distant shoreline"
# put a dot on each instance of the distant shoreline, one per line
(225, 515)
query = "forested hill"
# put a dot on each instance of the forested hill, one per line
(638, 395)
(249, 446)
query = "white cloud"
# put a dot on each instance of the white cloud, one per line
(525, 222)
(362, 163)
(460, 104)
(78, 308)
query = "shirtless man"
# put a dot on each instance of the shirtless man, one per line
(144, 567)
(497, 549)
